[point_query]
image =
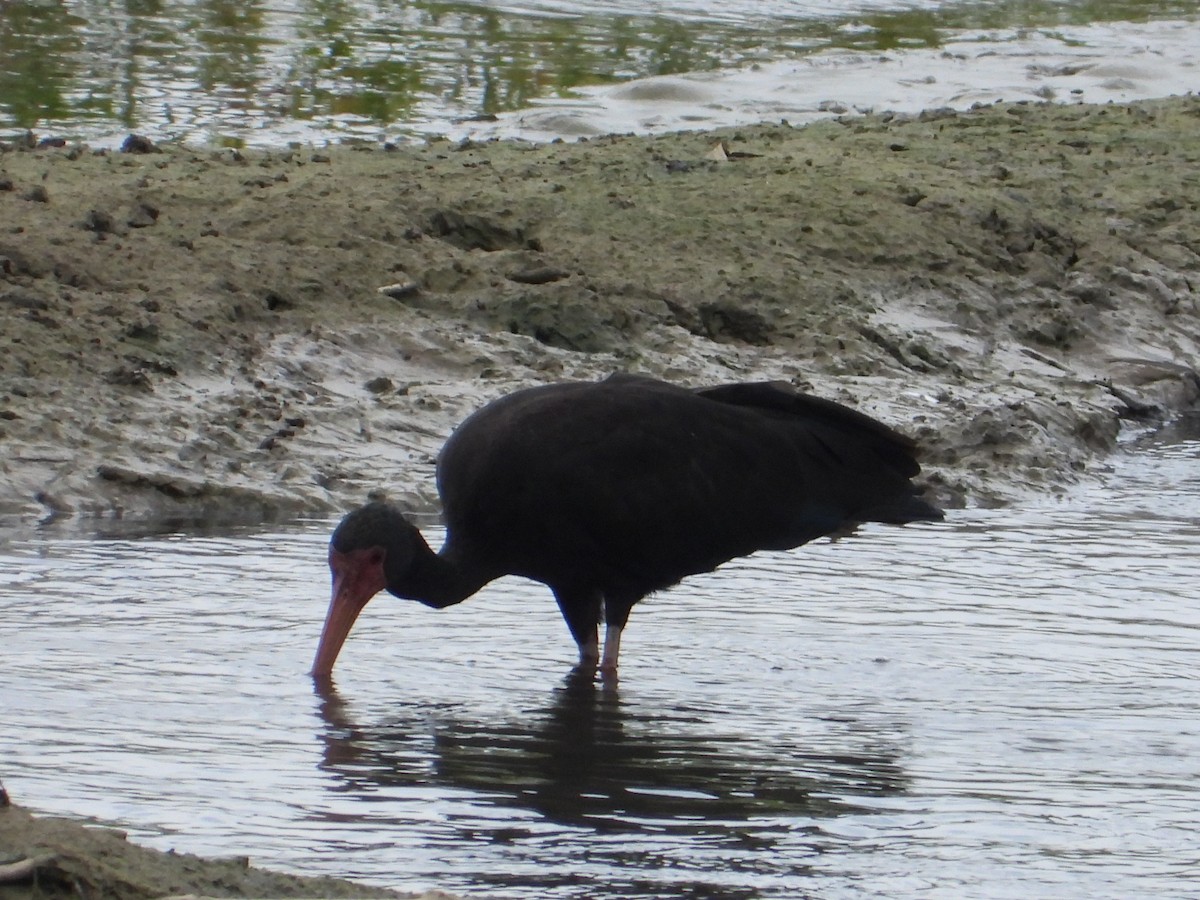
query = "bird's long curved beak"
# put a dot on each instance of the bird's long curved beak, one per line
(343, 611)
(353, 588)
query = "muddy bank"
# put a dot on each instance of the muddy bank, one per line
(216, 335)
(44, 858)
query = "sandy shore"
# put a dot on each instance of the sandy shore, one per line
(200, 337)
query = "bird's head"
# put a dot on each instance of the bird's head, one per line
(371, 547)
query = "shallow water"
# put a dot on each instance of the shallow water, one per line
(1002, 705)
(266, 72)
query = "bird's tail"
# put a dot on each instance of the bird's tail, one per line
(902, 510)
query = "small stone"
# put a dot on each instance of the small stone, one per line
(143, 331)
(137, 143)
(400, 289)
(538, 275)
(143, 216)
(99, 221)
(277, 302)
(130, 376)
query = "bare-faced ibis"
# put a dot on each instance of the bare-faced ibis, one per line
(608, 491)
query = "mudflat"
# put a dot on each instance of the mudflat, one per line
(216, 334)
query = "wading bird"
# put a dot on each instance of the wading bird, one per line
(610, 490)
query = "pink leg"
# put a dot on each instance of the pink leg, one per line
(589, 653)
(612, 647)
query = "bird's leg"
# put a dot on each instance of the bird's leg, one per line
(589, 653)
(612, 648)
(581, 611)
(616, 614)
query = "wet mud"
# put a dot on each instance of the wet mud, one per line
(215, 335)
(47, 858)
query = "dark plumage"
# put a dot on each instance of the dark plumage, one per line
(608, 491)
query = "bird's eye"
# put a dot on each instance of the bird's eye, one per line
(375, 557)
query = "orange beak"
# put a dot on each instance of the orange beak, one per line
(357, 577)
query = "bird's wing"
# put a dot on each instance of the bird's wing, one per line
(779, 397)
(633, 484)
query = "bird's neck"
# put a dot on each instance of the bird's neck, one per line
(439, 579)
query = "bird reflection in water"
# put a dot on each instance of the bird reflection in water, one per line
(585, 760)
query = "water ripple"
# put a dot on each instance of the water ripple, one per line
(1000, 705)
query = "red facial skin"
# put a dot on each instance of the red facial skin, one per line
(357, 577)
